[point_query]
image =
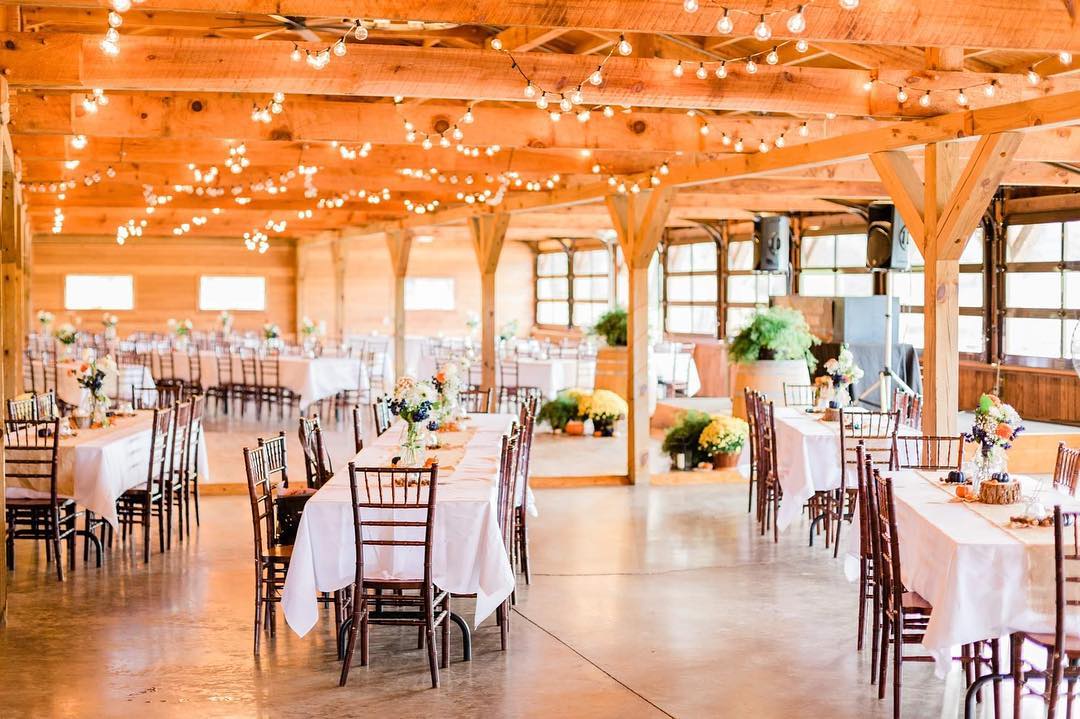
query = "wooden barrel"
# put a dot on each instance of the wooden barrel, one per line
(611, 370)
(766, 376)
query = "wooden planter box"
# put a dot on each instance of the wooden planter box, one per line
(768, 376)
(612, 365)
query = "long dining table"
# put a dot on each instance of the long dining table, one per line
(96, 466)
(469, 556)
(984, 577)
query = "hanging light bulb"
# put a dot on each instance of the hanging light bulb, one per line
(565, 105)
(773, 57)
(596, 78)
(802, 45)
(426, 144)
(444, 141)
(339, 48)
(724, 25)
(530, 91)
(360, 33)
(738, 144)
(725, 140)
(721, 70)
(468, 118)
(677, 71)
(576, 97)
(797, 22)
(704, 129)
(868, 85)
(625, 48)
(701, 73)
(849, 4)
(555, 116)
(1032, 76)
(496, 44)
(609, 111)
(780, 141)
(654, 180)
(690, 5)
(925, 99)
(991, 89)
(901, 96)
(664, 169)
(804, 130)
(295, 54)
(115, 19)
(961, 98)
(596, 168)
(1065, 57)
(121, 6)
(542, 102)
(78, 142)
(763, 146)
(584, 116)
(762, 31)
(751, 66)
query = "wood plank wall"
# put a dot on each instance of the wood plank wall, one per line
(1046, 395)
(166, 278)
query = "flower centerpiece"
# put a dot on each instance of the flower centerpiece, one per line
(225, 319)
(182, 330)
(605, 408)
(448, 383)
(472, 322)
(45, 319)
(683, 441)
(271, 334)
(91, 374)
(842, 372)
(109, 322)
(995, 427)
(508, 331)
(311, 332)
(414, 401)
(67, 335)
(723, 439)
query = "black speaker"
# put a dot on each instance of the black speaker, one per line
(771, 238)
(887, 239)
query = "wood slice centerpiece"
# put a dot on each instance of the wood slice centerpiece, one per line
(992, 491)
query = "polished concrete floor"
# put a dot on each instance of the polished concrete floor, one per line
(645, 602)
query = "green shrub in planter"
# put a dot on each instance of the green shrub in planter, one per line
(683, 437)
(612, 327)
(778, 333)
(559, 411)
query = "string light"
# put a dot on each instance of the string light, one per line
(1065, 57)
(677, 71)
(624, 46)
(97, 98)
(796, 21)
(78, 142)
(762, 31)
(725, 25)
(266, 112)
(58, 221)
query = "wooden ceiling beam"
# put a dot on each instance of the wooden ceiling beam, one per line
(1032, 25)
(69, 61)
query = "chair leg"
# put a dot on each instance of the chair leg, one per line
(883, 659)
(258, 606)
(504, 629)
(55, 527)
(444, 660)
(70, 527)
(875, 636)
(898, 664)
(862, 604)
(146, 531)
(523, 554)
(195, 491)
(1016, 663)
(349, 647)
(364, 632)
(429, 617)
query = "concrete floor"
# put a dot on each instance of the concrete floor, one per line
(645, 602)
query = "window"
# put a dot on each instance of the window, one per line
(690, 281)
(908, 287)
(834, 266)
(232, 293)
(429, 293)
(1042, 289)
(98, 292)
(572, 287)
(746, 289)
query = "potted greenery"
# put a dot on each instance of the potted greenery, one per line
(772, 350)
(683, 439)
(606, 408)
(612, 327)
(582, 400)
(558, 412)
(723, 439)
(612, 359)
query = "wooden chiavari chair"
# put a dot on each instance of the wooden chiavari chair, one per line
(358, 429)
(194, 378)
(173, 485)
(527, 421)
(139, 504)
(224, 389)
(909, 406)
(751, 399)
(1061, 647)
(271, 557)
(156, 397)
(509, 476)
(375, 350)
(769, 491)
(166, 374)
(508, 370)
(22, 408)
(30, 457)
(271, 391)
(317, 465)
(475, 400)
(191, 471)
(400, 504)
(868, 588)
(1067, 469)
(682, 355)
(802, 396)
(928, 452)
(380, 408)
(512, 399)
(46, 405)
(249, 387)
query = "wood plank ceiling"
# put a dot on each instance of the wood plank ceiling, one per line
(213, 117)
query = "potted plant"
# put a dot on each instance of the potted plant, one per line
(582, 399)
(772, 350)
(612, 362)
(612, 327)
(723, 439)
(558, 412)
(605, 408)
(683, 439)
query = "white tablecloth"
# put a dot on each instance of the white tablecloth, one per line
(98, 465)
(808, 455)
(69, 391)
(469, 554)
(678, 367)
(983, 578)
(312, 378)
(550, 375)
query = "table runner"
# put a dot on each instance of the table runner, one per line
(469, 556)
(96, 466)
(69, 391)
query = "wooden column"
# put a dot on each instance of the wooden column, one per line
(301, 285)
(488, 232)
(941, 213)
(11, 256)
(639, 222)
(12, 336)
(399, 242)
(339, 256)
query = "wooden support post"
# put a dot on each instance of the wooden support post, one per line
(488, 232)
(12, 336)
(11, 255)
(639, 220)
(301, 285)
(339, 254)
(941, 213)
(399, 242)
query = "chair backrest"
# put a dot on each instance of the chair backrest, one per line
(383, 417)
(768, 470)
(410, 495)
(751, 398)
(358, 429)
(181, 439)
(198, 409)
(527, 422)
(194, 360)
(876, 430)
(277, 462)
(886, 546)
(928, 452)
(1067, 468)
(160, 449)
(30, 447)
(269, 371)
(317, 465)
(22, 408)
(800, 395)
(864, 468)
(511, 399)
(46, 405)
(156, 397)
(249, 368)
(260, 485)
(508, 483)
(909, 406)
(224, 360)
(1066, 574)
(166, 368)
(476, 401)
(508, 371)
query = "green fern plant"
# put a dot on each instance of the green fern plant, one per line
(775, 333)
(612, 327)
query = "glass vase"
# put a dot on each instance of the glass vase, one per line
(412, 445)
(986, 463)
(99, 410)
(840, 397)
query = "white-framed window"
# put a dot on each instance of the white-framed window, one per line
(429, 293)
(232, 292)
(99, 292)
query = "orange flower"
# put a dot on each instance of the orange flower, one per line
(441, 376)
(1004, 431)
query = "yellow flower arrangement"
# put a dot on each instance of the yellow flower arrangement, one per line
(583, 399)
(606, 406)
(723, 434)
